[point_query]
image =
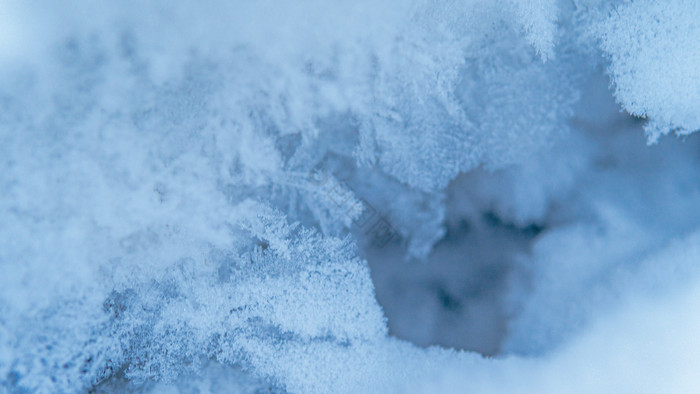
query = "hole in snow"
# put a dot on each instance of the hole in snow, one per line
(456, 297)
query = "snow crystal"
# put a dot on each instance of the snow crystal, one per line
(271, 197)
(654, 50)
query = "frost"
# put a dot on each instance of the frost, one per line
(347, 196)
(309, 290)
(538, 20)
(653, 48)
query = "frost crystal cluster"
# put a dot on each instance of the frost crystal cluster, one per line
(350, 196)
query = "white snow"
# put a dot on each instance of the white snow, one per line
(349, 196)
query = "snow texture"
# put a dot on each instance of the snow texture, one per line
(349, 196)
(654, 50)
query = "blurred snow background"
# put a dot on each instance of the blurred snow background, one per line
(305, 197)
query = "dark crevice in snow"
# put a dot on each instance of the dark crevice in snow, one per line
(455, 297)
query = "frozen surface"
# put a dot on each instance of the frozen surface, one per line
(349, 196)
(654, 50)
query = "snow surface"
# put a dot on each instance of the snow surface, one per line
(654, 50)
(349, 196)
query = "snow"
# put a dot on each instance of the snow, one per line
(647, 344)
(349, 196)
(653, 49)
